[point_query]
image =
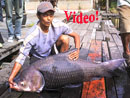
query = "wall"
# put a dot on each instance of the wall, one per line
(64, 5)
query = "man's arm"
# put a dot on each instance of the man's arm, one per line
(75, 55)
(24, 52)
(14, 72)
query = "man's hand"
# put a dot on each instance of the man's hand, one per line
(74, 55)
(13, 85)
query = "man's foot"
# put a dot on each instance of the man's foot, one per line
(19, 39)
(127, 58)
(11, 39)
(128, 70)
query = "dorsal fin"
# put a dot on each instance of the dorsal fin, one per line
(67, 52)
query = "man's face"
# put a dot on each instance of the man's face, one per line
(46, 18)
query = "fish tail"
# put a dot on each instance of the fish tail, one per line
(113, 67)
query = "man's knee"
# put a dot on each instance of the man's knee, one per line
(63, 43)
(64, 39)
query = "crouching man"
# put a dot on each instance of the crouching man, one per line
(41, 38)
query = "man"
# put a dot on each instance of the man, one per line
(53, 2)
(18, 7)
(2, 6)
(42, 37)
(124, 9)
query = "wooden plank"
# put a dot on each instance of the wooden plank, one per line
(12, 94)
(72, 25)
(43, 94)
(90, 35)
(114, 85)
(4, 74)
(122, 83)
(86, 43)
(83, 55)
(118, 42)
(74, 92)
(75, 26)
(99, 35)
(9, 49)
(90, 87)
(111, 27)
(3, 88)
(83, 26)
(110, 85)
(94, 89)
(91, 26)
(107, 34)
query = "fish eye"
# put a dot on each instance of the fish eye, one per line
(22, 83)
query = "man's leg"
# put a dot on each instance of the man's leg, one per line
(18, 4)
(1, 14)
(63, 43)
(9, 8)
(125, 37)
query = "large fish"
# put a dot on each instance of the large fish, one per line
(58, 70)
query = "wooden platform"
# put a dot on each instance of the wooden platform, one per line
(96, 46)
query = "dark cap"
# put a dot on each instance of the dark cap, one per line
(44, 7)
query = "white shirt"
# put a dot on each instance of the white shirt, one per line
(123, 2)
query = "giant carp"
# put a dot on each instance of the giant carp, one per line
(58, 70)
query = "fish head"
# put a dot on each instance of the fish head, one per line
(30, 80)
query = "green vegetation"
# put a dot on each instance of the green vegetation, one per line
(102, 4)
(113, 6)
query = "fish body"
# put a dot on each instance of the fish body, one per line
(58, 70)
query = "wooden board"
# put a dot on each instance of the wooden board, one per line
(96, 88)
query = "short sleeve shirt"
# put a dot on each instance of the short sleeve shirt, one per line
(38, 43)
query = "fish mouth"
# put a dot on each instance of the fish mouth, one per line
(16, 87)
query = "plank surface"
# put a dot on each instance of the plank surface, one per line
(96, 88)
(96, 46)
(118, 85)
(110, 84)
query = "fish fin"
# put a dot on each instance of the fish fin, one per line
(112, 68)
(53, 89)
(73, 85)
(43, 85)
(95, 78)
(40, 89)
(68, 52)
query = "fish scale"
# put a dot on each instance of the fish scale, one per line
(62, 75)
